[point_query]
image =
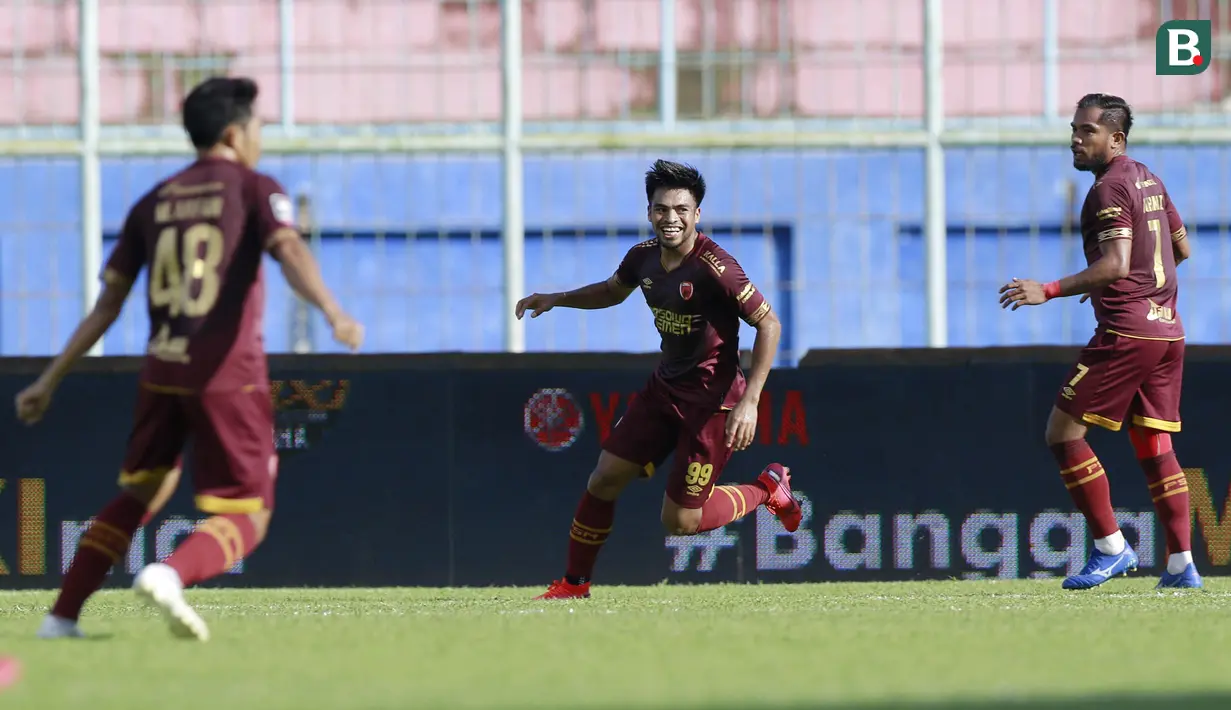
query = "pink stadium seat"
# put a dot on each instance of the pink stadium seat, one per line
(1102, 22)
(555, 26)
(633, 24)
(462, 30)
(460, 88)
(732, 24)
(991, 26)
(876, 24)
(322, 26)
(36, 28)
(431, 60)
(879, 24)
(457, 87)
(459, 91)
(146, 26)
(751, 23)
(123, 93)
(769, 90)
(1137, 83)
(11, 108)
(567, 91)
(993, 88)
(239, 26)
(350, 26)
(267, 77)
(851, 91)
(981, 88)
(12, 99)
(48, 93)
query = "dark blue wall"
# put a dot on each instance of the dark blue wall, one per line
(406, 472)
(836, 231)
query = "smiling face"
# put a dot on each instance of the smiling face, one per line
(673, 213)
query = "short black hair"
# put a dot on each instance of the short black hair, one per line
(674, 176)
(1116, 113)
(215, 104)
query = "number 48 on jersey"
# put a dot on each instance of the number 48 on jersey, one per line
(184, 263)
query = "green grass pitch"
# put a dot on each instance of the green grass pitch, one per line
(972, 644)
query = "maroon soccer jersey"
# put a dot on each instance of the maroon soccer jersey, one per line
(1129, 202)
(202, 233)
(697, 308)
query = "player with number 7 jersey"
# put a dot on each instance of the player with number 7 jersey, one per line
(202, 234)
(1132, 369)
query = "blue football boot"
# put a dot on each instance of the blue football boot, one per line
(1101, 568)
(1188, 579)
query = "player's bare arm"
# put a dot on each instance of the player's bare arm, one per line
(742, 422)
(33, 401)
(1180, 245)
(303, 275)
(1109, 268)
(603, 294)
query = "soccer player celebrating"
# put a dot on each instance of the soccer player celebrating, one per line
(1133, 366)
(202, 233)
(697, 403)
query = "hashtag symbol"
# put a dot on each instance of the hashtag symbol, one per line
(709, 544)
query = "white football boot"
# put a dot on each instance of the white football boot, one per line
(160, 586)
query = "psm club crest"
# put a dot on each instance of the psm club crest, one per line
(686, 290)
(552, 419)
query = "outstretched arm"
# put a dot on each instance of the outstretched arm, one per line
(119, 273)
(603, 294)
(1114, 232)
(1110, 267)
(32, 402)
(105, 312)
(302, 273)
(275, 220)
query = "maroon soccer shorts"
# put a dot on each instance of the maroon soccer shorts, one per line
(1117, 377)
(654, 426)
(234, 461)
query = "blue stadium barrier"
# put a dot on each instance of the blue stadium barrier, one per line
(837, 230)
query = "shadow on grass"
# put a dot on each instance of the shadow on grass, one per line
(1140, 701)
(26, 635)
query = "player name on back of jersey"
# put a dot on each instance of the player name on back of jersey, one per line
(181, 204)
(1144, 303)
(200, 236)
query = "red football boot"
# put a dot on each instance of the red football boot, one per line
(561, 589)
(777, 480)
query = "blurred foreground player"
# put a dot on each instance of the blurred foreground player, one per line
(697, 404)
(1133, 366)
(202, 234)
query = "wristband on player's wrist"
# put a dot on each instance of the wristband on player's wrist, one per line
(1051, 290)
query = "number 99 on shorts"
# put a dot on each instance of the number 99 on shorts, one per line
(698, 474)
